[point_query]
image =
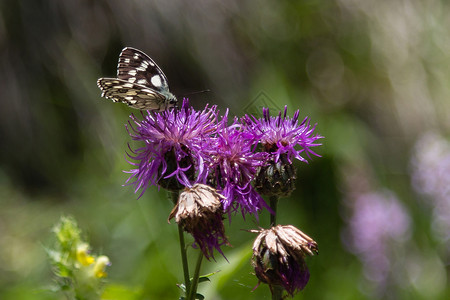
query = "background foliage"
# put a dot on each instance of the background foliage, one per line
(373, 74)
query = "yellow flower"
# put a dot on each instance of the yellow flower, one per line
(100, 266)
(83, 256)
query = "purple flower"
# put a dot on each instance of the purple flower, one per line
(431, 178)
(172, 155)
(378, 225)
(233, 165)
(280, 135)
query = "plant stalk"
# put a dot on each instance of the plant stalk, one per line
(273, 206)
(184, 260)
(193, 291)
(276, 290)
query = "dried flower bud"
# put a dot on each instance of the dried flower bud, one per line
(278, 257)
(199, 211)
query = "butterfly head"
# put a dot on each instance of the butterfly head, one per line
(171, 101)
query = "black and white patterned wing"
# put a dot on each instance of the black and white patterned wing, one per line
(137, 67)
(134, 95)
(141, 83)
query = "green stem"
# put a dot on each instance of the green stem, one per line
(277, 292)
(273, 206)
(184, 259)
(193, 292)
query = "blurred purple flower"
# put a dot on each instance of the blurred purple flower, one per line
(377, 224)
(233, 165)
(172, 154)
(430, 166)
(281, 134)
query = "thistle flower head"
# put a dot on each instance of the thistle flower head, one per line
(233, 166)
(279, 257)
(281, 134)
(172, 155)
(279, 137)
(199, 212)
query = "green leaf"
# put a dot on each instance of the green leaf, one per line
(199, 296)
(204, 278)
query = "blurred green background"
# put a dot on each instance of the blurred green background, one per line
(374, 75)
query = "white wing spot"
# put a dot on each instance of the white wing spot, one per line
(126, 60)
(132, 72)
(142, 81)
(136, 56)
(132, 79)
(156, 80)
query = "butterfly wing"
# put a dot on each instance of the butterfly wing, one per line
(134, 95)
(137, 67)
(141, 84)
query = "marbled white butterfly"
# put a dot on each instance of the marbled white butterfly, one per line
(140, 83)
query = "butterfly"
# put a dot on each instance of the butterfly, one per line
(140, 83)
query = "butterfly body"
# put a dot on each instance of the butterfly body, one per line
(140, 83)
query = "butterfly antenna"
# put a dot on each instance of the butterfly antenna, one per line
(198, 92)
